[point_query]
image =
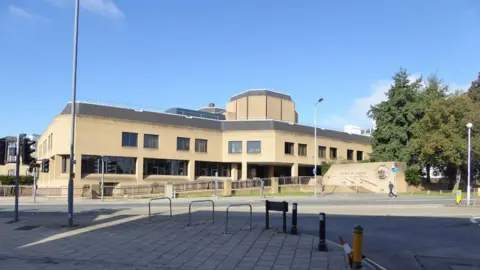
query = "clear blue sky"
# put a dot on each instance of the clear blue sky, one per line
(183, 53)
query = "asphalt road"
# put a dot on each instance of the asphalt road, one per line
(396, 242)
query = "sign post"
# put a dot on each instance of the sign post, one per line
(394, 171)
(458, 197)
(276, 206)
(216, 185)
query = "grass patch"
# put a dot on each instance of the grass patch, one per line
(432, 193)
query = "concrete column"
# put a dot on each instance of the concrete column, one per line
(77, 169)
(139, 170)
(271, 171)
(295, 170)
(244, 170)
(274, 187)
(227, 187)
(234, 172)
(191, 170)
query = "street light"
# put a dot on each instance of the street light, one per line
(469, 126)
(72, 107)
(315, 143)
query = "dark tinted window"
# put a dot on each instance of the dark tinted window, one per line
(254, 147)
(150, 141)
(201, 145)
(183, 144)
(164, 167)
(234, 147)
(129, 139)
(289, 148)
(302, 150)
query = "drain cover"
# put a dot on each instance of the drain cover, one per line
(26, 228)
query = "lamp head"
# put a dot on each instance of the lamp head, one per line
(469, 125)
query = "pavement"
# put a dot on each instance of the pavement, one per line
(117, 240)
(410, 232)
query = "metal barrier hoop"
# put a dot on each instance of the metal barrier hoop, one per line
(157, 199)
(199, 201)
(239, 204)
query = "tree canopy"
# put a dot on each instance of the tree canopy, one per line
(424, 125)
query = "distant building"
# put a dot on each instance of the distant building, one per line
(210, 112)
(350, 129)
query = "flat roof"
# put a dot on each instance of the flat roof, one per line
(88, 109)
(261, 92)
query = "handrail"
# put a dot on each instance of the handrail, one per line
(239, 204)
(199, 201)
(156, 199)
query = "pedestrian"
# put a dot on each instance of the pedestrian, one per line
(262, 188)
(390, 187)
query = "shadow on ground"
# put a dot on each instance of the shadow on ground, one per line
(396, 242)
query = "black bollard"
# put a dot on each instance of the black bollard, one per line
(322, 245)
(294, 219)
(267, 216)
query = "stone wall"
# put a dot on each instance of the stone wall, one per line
(373, 176)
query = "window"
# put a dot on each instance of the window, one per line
(150, 141)
(322, 152)
(234, 147)
(359, 155)
(210, 168)
(289, 148)
(64, 164)
(302, 149)
(201, 145)
(129, 139)
(153, 166)
(183, 144)
(333, 153)
(254, 147)
(113, 165)
(349, 154)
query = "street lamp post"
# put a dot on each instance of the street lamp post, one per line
(315, 144)
(469, 151)
(73, 107)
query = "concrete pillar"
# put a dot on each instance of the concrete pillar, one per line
(139, 170)
(227, 187)
(234, 172)
(77, 169)
(271, 171)
(191, 170)
(274, 187)
(244, 170)
(294, 170)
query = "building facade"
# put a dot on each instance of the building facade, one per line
(259, 138)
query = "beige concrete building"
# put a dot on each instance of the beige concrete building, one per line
(259, 137)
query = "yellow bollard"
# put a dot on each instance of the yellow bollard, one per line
(357, 247)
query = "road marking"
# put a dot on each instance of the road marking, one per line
(475, 220)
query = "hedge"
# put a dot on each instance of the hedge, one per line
(7, 180)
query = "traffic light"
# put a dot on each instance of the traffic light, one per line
(46, 165)
(3, 148)
(27, 151)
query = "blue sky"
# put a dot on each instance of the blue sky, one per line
(181, 53)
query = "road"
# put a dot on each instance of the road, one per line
(411, 232)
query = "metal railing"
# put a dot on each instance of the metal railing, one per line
(43, 191)
(157, 199)
(235, 205)
(255, 183)
(200, 201)
(184, 187)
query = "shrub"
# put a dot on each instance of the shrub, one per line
(8, 180)
(324, 167)
(413, 175)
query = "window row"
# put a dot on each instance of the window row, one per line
(92, 164)
(322, 151)
(130, 139)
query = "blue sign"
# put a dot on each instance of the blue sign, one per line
(314, 171)
(394, 169)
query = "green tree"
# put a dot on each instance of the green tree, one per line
(474, 90)
(433, 90)
(440, 136)
(393, 119)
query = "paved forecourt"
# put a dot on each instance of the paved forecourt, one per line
(131, 242)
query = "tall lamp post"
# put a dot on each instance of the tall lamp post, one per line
(315, 144)
(73, 108)
(469, 126)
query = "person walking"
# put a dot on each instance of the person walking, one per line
(262, 188)
(390, 187)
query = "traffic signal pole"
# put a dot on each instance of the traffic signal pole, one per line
(17, 173)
